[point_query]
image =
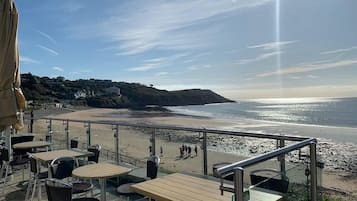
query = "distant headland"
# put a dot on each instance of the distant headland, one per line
(110, 94)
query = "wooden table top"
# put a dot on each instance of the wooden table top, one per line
(51, 155)
(99, 171)
(180, 187)
(31, 144)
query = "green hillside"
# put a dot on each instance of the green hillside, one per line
(108, 94)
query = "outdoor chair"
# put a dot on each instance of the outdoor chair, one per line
(21, 153)
(7, 166)
(58, 190)
(74, 143)
(95, 149)
(62, 167)
(152, 167)
(36, 178)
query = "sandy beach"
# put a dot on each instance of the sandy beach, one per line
(339, 155)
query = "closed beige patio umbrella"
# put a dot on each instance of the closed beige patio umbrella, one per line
(12, 101)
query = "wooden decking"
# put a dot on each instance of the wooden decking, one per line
(180, 187)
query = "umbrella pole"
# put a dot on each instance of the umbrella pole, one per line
(8, 133)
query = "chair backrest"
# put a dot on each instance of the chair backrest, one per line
(58, 190)
(20, 139)
(62, 167)
(152, 166)
(74, 143)
(4, 154)
(96, 150)
(33, 164)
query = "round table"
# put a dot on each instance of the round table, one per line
(31, 145)
(100, 171)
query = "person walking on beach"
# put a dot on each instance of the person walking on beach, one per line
(150, 149)
(189, 150)
(196, 150)
(161, 151)
(181, 152)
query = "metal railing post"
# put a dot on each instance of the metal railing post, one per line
(31, 121)
(116, 136)
(313, 169)
(153, 143)
(204, 147)
(9, 132)
(88, 131)
(66, 130)
(238, 184)
(282, 159)
(49, 133)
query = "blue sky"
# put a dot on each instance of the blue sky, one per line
(238, 48)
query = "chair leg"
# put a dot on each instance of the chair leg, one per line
(91, 191)
(2, 170)
(34, 189)
(23, 173)
(39, 196)
(29, 184)
(5, 179)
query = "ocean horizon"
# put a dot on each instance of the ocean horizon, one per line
(324, 118)
(335, 112)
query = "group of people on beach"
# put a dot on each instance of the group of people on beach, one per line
(185, 151)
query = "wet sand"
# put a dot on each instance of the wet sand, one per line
(339, 156)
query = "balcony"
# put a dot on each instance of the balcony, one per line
(278, 165)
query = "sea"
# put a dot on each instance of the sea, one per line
(333, 121)
(335, 112)
(324, 118)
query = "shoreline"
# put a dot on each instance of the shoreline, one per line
(328, 149)
(135, 143)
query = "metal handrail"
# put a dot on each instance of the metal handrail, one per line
(201, 130)
(237, 168)
(228, 169)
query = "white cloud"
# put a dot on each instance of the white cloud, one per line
(47, 36)
(161, 73)
(312, 76)
(199, 67)
(28, 60)
(260, 57)
(163, 24)
(340, 50)
(49, 50)
(145, 67)
(80, 72)
(309, 68)
(159, 62)
(56, 68)
(272, 45)
(188, 61)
